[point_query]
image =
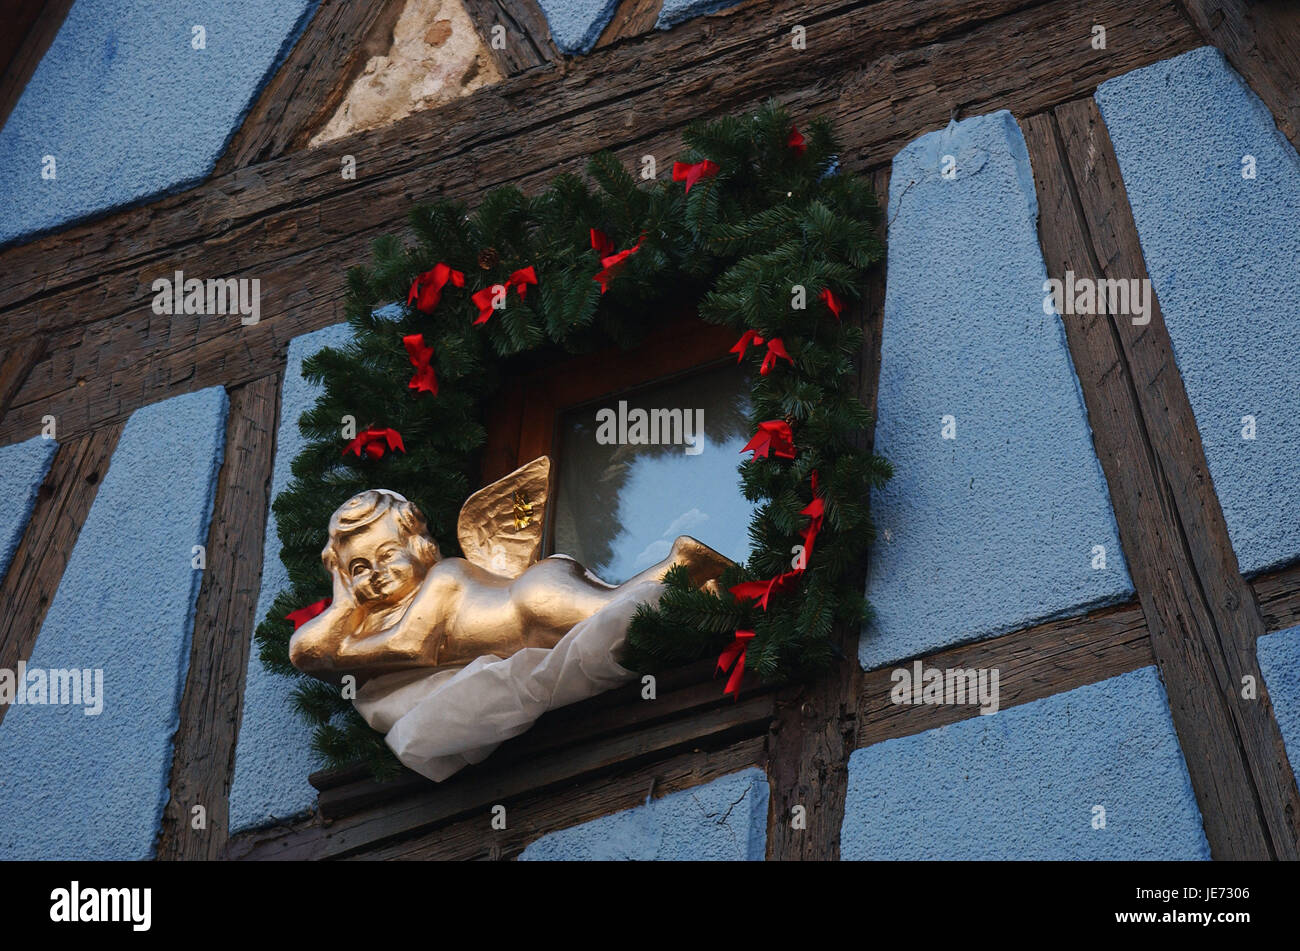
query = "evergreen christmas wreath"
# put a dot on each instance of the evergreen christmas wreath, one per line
(759, 231)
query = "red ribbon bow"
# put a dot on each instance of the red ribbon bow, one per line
(690, 174)
(374, 441)
(834, 303)
(601, 243)
(734, 653)
(761, 591)
(611, 265)
(485, 298)
(773, 436)
(303, 615)
(425, 380)
(426, 290)
(796, 142)
(816, 510)
(775, 349)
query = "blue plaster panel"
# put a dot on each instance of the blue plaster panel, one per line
(22, 468)
(576, 25)
(995, 530)
(674, 12)
(93, 787)
(1224, 256)
(129, 109)
(1279, 662)
(273, 755)
(1022, 783)
(722, 820)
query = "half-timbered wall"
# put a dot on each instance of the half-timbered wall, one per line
(1122, 683)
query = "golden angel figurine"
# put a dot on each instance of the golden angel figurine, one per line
(399, 605)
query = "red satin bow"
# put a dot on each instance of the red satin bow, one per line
(425, 380)
(773, 436)
(796, 142)
(484, 299)
(834, 303)
(611, 265)
(761, 591)
(690, 174)
(601, 243)
(374, 441)
(303, 615)
(816, 510)
(426, 290)
(775, 349)
(734, 653)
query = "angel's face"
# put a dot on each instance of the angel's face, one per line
(379, 565)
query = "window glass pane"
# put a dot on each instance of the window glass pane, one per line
(621, 500)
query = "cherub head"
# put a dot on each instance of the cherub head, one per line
(380, 546)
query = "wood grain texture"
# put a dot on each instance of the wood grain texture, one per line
(501, 780)
(62, 504)
(29, 28)
(312, 81)
(632, 18)
(16, 362)
(203, 757)
(1034, 663)
(1278, 595)
(527, 40)
(1261, 39)
(532, 816)
(817, 723)
(883, 71)
(1202, 617)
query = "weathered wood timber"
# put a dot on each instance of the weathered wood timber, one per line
(203, 758)
(30, 28)
(1261, 39)
(878, 69)
(62, 504)
(502, 781)
(632, 18)
(1201, 616)
(527, 37)
(1034, 663)
(313, 80)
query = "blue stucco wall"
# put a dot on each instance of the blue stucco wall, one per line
(273, 756)
(22, 468)
(129, 109)
(1224, 256)
(994, 530)
(576, 25)
(93, 787)
(674, 12)
(1022, 783)
(724, 820)
(1279, 662)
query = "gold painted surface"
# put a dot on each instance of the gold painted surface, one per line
(398, 604)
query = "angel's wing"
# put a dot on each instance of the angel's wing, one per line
(500, 525)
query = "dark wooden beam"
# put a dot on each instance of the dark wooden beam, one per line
(1278, 595)
(816, 724)
(632, 18)
(1202, 617)
(16, 362)
(62, 504)
(532, 816)
(885, 71)
(1034, 663)
(527, 37)
(312, 81)
(1261, 39)
(30, 28)
(502, 781)
(203, 758)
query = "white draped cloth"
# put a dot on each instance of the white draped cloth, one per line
(442, 721)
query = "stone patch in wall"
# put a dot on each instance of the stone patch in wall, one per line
(436, 56)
